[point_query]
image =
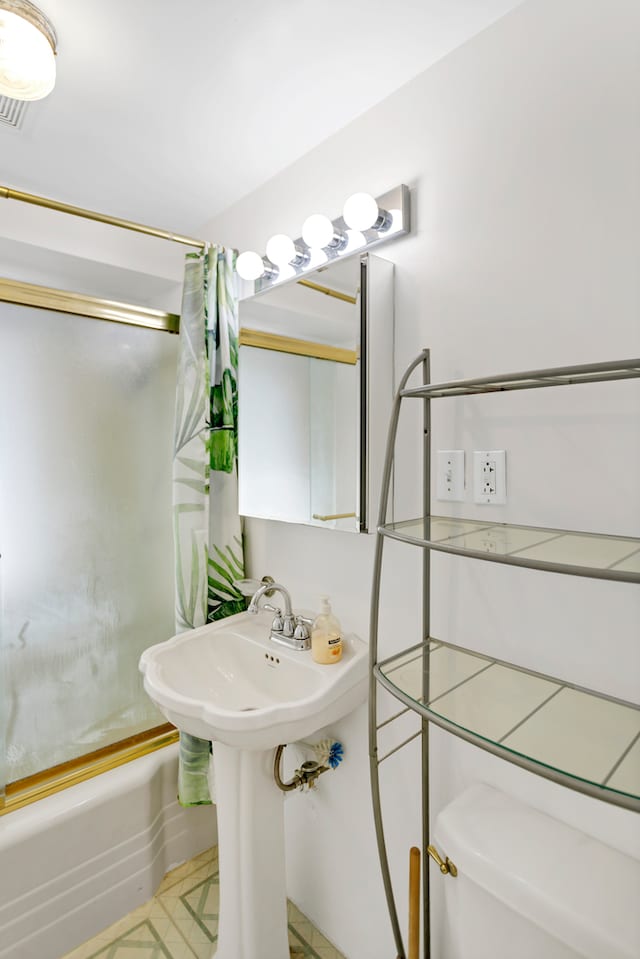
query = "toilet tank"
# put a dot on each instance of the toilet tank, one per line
(531, 887)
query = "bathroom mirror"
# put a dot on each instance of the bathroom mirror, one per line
(314, 394)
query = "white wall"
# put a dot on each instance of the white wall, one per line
(521, 149)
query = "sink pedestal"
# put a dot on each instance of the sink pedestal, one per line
(253, 895)
(227, 681)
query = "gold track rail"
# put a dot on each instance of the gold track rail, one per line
(81, 304)
(54, 780)
(287, 344)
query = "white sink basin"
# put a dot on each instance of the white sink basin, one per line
(227, 681)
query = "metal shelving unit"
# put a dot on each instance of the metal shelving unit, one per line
(577, 737)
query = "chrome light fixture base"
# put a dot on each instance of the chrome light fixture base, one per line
(394, 220)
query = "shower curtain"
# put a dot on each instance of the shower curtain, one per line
(207, 530)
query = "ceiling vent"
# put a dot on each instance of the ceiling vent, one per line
(12, 111)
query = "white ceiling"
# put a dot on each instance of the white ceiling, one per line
(167, 112)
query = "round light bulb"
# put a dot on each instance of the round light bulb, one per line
(281, 249)
(249, 265)
(27, 60)
(317, 231)
(360, 211)
(355, 240)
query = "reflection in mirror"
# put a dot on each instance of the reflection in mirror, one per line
(304, 367)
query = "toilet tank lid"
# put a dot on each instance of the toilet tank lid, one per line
(581, 891)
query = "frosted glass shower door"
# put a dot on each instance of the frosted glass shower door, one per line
(86, 436)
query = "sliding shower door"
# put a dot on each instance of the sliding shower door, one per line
(86, 434)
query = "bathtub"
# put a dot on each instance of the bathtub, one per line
(75, 862)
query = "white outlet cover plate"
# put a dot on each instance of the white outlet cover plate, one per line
(490, 476)
(450, 475)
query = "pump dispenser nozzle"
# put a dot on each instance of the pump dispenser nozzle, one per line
(326, 635)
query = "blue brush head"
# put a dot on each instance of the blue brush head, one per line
(336, 754)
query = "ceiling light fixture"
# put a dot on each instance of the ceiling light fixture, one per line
(27, 51)
(365, 223)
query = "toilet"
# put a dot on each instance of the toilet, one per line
(531, 887)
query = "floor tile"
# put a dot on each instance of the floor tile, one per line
(180, 873)
(193, 906)
(140, 941)
(181, 922)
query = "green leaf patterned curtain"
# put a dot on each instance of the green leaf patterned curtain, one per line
(225, 556)
(207, 529)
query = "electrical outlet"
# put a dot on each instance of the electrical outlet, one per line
(450, 475)
(489, 476)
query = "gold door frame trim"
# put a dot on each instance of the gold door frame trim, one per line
(9, 194)
(81, 304)
(328, 291)
(50, 781)
(287, 344)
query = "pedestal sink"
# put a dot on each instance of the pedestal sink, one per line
(230, 683)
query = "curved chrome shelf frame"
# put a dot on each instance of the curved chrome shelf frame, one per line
(592, 572)
(530, 379)
(559, 376)
(502, 749)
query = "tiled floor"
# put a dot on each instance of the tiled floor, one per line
(181, 922)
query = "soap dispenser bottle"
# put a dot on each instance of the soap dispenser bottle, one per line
(326, 635)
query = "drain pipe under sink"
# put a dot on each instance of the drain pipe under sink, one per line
(305, 776)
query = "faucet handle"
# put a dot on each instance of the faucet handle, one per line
(278, 623)
(308, 621)
(302, 627)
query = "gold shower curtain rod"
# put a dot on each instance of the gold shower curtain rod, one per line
(28, 294)
(10, 194)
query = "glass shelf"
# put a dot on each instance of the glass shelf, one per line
(573, 736)
(553, 550)
(532, 379)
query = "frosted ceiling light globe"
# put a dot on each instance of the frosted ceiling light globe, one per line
(317, 231)
(27, 57)
(249, 265)
(281, 249)
(360, 211)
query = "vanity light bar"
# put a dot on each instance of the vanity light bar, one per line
(365, 223)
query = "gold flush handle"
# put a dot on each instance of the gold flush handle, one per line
(447, 868)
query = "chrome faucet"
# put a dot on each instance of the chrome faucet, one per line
(287, 629)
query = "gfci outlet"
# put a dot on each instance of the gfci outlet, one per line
(489, 476)
(450, 475)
